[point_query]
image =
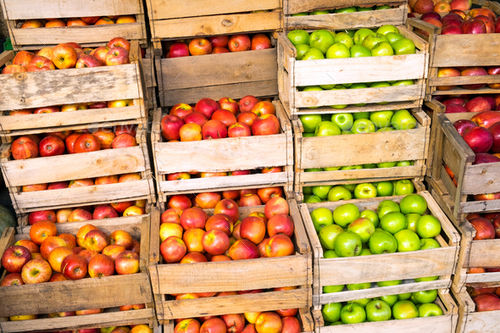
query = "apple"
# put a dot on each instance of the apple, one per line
(424, 296)
(275, 206)
(253, 228)
(463, 125)
(87, 61)
(393, 222)
(345, 214)
(117, 56)
(484, 228)
(247, 103)
(178, 49)
(352, 313)
(363, 227)
(268, 322)
(487, 302)
(413, 203)
(404, 309)
(41, 215)
(215, 242)
(365, 191)
(238, 43)
(187, 326)
(206, 106)
(486, 119)
(51, 145)
(11, 69)
(348, 244)
(95, 240)
(39, 63)
(266, 124)
(23, 148)
(280, 223)
(12, 279)
(41, 230)
(64, 56)
(127, 262)
(220, 222)
(193, 217)
(479, 139)
(219, 41)
(86, 143)
(74, 267)
(403, 187)
(407, 240)
(382, 241)
(243, 249)
(101, 265)
(36, 271)
(321, 217)
(429, 310)
(15, 257)
(362, 126)
(260, 42)
(378, 310)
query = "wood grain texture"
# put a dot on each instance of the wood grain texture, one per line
(458, 80)
(484, 253)
(486, 322)
(481, 178)
(216, 25)
(481, 50)
(32, 9)
(168, 9)
(298, 6)
(107, 83)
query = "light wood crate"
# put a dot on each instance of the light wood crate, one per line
(394, 16)
(293, 74)
(33, 38)
(234, 275)
(382, 267)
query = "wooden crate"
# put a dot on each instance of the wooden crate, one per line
(15, 11)
(69, 86)
(171, 19)
(148, 65)
(304, 316)
(395, 16)
(466, 50)
(450, 149)
(234, 74)
(470, 321)
(439, 324)
(293, 74)
(329, 151)
(89, 293)
(40, 170)
(382, 267)
(261, 273)
(227, 154)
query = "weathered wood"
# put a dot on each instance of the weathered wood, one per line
(471, 321)
(297, 6)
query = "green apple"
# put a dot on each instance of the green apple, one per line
(387, 206)
(307, 190)
(351, 167)
(361, 115)
(348, 244)
(343, 120)
(302, 50)
(300, 14)
(381, 118)
(428, 226)
(361, 34)
(311, 198)
(345, 214)
(359, 286)
(404, 296)
(384, 189)
(331, 312)
(380, 84)
(369, 166)
(412, 221)
(429, 310)
(351, 187)
(386, 164)
(338, 50)
(407, 241)
(344, 38)
(366, 252)
(429, 243)
(327, 235)
(393, 222)
(370, 215)
(363, 126)
(298, 37)
(338, 192)
(346, 10)
(327, 87)
(313, 170)
(321, 217)
(332, 168)
(404, 163)
(382, 7)
(413, 203)
(403, 187)
(321, 39)
(424, 296)
(389, 283)
(427, 278)
(385, 129)
(330, 254)
(327, 128)
(363, 227)
(389, 299)
(372, 41)
(352, 313)
(403, 83)
(358, 51)
(308, 135)
(361, 301)
(365, 191)
(321, 191)
(320, 12)
(382, 242)
(382, 49)
(313, 54)
(393, 37)
(310, 122)
(364, 9)
(385, 29)
(378, 310)
(403, 120)
(404, 310)
(403, 46)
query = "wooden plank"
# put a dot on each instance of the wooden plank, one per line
(364, 148)
(216, 25)
(171, 9)
(486, 322)
(219, 69)
(480, 50)
(31, 9)
(461, 91)
(298, 6)
(481, 178)
(106, 83)
(366, 108)
(76, 166)
(307, 99)
(458, 80)
(368, 69)
(81, 35)
(483, 279)
(340, 176)
(376, 18)
(235, 90)
(267, 301)
(480, 206)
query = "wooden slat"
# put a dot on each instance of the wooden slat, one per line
(298, 6)
(480, 206)
(484, 279)
(75, 166)
(481, 178)
(305, 99)
(375, 174)
(107, 83)
(484, 253)
(461, 91)
(474, 50)
(32, 9)
(366, 108)
(367, 69)
(168, 9)
(459, 80)
(219, 69)
(216, 25)
(487, 321)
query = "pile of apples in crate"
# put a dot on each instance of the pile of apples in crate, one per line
(73, 107)
(466, 103)
(218, 44)
(189, 234)
(77, 21)
(70, 55)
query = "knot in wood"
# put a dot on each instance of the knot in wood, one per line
(483, 171)
(20, 76)
(227, 22)
(311, 101)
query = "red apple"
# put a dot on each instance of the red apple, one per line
(193, 257)
(95, 240)
(479, 139)
(64, 56)
(39, 64)
(290, 325)
(473, 71)
(49, 244)
(104, 212)
(253, 228)
(177, 50)
(485, 158)
(79, 215)
(238, 43)
(122, 238)
(12, 279)
(36, 271)
(200, 46)
(195, 118)
(463, 125)
(487, 302)
(187, 326)
(23, 58)
(113, 251)
(193, 217)
(213, 129)
(423, 6)
(220, 222)
(229, 208)
(238, 130)
(484, 228)
(463, 5)
(181, 110)
(219, 41)
(486, 119)
(243, 249)
(88, 61)
(281, 223)
(170, 126)
(213, 325)
(267, 124)
(478, 104)
(127, 262)
(100, 53)
(218, 49)
(14, 258)
(117, 56)
(206, 106)
(247, 103)
(24, 147)
(190, 132)
(179, 202)
(447, 72)
(227, 103)
(12, 69)
(29, 244)
(495, 133)
(276, 205)
(123, 140)
(51, 145)
(74, 267)
(41, 215)
(247, 118)
(279, 245)
(207, 200)
(101, 265)
(260, 42)
(267, 193)
(215, 242)
(86, 143)
(268, 322)
(173, 249)
(235, 322)
(120, 42)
